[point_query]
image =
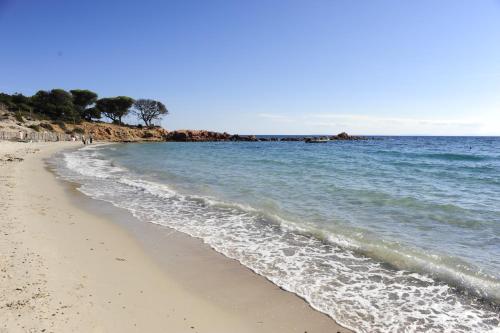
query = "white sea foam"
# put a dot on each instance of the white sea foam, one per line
(358, 291)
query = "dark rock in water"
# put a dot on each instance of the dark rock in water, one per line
(237, 137)
(208, 136)
(343, 136)
(205, 136)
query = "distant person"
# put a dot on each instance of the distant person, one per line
(91, 139)
(83, 140)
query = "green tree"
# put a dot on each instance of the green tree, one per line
(19, 99)
(6, 100)
(82, 100)
(16, 103)
(123, 105)
(107, 108)
(115, 108)
(92, 113)
(56, 104)
(21, 103)
(148, 110)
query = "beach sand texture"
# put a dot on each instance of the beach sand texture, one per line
(65, 268)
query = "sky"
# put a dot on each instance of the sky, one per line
(395, 67)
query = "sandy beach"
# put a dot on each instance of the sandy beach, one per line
(72, 264)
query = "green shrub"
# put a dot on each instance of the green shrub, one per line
(79, 130)
(61, 124)
(7, 105)
(39, 116)
(24, 107)
(47, 126)
(19, 117)
(35, 127)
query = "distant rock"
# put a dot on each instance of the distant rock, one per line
(208, 136)
(237, 137)
(343, 136)
(205, 136)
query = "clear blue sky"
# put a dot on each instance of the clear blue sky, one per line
(266, 66)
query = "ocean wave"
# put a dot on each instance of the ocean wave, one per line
(343, 273)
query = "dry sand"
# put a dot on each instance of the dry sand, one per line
(73, 264)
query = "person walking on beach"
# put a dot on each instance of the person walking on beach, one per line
(91, 139)
(83, 140)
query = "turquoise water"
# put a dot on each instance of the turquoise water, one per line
(397, 234)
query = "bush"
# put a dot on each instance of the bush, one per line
(24, 107)
(19, 117)
(8, 105)
(35, 127)
(47, 126)
(79, 130)
(61, 124)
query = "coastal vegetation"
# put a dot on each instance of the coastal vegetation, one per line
(148, 110)
(79, 112)
(79, 105)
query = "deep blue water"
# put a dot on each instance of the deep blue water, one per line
(386, 235)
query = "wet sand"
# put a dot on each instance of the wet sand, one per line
(73, 264)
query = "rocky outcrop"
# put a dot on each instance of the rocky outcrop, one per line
(205, 136)
(116, 133)
(341, 136)
(345, 136)
(101, 131)
(208, 136)
(237, 137)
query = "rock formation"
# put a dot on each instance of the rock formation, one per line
(204, 136)
(102, 131)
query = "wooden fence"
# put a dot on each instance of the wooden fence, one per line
(36, 136)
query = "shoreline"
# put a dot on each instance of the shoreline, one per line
(84, 265)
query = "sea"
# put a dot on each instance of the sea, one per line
(389, 234)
